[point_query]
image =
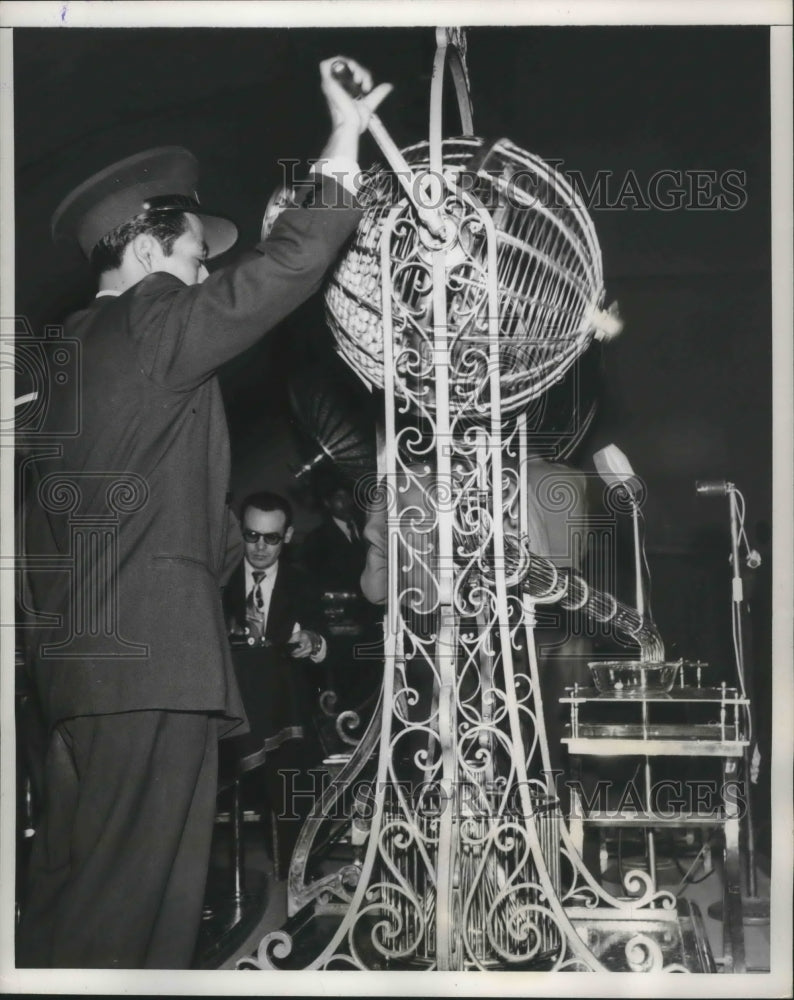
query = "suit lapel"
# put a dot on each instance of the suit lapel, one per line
(279, 622)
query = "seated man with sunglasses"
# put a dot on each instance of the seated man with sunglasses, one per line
(274, 618)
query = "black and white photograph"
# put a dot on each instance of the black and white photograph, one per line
(397, 498)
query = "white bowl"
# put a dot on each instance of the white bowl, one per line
(633, 678)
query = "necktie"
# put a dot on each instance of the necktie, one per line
(255, 606)
(259, 601)
(352, 530)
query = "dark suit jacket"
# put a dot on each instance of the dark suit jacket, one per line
(148, 474)
(278, 691)
(355, 643)
(294, 599)
(335, 562)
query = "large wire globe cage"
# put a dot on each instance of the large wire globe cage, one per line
(548, 273)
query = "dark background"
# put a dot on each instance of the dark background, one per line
(687, 392)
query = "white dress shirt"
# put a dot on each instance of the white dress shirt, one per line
(343, 169)
(344, 527)
(266, 585)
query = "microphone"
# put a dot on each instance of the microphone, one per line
(713, 488)
(612, 465)
(615, 469)
(722, 488)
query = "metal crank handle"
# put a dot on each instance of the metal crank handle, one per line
(430, 217)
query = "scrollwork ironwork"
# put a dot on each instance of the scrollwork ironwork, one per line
(467, 862)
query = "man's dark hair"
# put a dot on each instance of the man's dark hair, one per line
(267, 502)
(166, 225)
(325, 484)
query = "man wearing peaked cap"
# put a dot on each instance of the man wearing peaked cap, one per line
(163, 179)
(133, 667)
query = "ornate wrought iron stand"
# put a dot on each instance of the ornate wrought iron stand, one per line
(464, 859)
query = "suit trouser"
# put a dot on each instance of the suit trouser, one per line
(120, 857)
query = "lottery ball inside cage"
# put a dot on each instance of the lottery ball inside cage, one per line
(548, 276)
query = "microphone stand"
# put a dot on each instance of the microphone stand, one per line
(754, 909)
(639, 599)
(639, 592)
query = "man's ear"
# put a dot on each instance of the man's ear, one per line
(288, 535)
(143, 248)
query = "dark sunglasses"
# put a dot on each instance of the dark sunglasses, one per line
(268, 537)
